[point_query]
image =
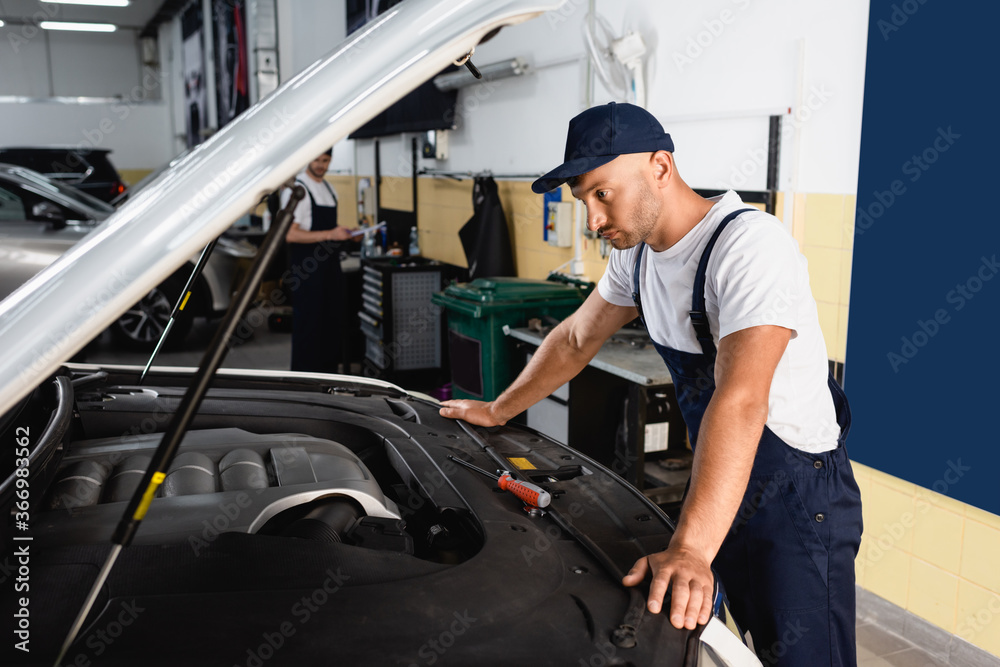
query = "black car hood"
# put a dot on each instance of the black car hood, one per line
(476, 579)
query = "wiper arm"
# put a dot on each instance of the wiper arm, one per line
(186, 411)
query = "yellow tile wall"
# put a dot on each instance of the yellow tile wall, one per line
(397, 193)
(445, 205)
(346, 188)
(932, 555)
(823, 224)
(133, 176)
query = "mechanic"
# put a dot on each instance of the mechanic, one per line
(315, 279)
(724, 293)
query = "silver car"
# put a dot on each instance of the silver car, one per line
(41, 218)
(307, 518)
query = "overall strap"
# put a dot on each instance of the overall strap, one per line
(699, 318)
(308, 192)
(635, 282)
(330, 190)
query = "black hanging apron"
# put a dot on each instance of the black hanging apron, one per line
(787, 564)
(317, 287)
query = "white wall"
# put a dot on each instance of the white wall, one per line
(136, 135)
(125, 111)
(307, 31)
(718, 69)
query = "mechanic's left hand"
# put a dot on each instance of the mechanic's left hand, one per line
(340, 234)
(691, 583)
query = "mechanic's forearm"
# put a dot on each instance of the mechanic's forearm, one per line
(556, 362)
(298, 235)
(727, 443)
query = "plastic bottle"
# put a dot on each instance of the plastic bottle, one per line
(368, 244)
(414, 242)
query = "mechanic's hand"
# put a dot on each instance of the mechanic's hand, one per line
(340, 234)
(689, 577)
(474, 412)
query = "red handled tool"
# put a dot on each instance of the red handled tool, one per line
(526, 491)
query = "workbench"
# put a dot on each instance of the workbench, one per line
(620, 410)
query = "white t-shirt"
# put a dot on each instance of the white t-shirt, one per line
(323, 193)
(756, 276)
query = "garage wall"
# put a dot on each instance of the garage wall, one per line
(716, 72)
(83, 89)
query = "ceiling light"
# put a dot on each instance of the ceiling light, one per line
(81, 27)
(95, 3)
(1, 24)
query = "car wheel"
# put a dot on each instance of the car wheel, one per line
(141, 326)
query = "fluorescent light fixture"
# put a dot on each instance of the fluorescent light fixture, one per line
(94, 3)
(80, 27)
(463, 77)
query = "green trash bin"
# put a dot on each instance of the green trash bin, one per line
(481, 355)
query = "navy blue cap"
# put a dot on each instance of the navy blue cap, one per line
(599, 135)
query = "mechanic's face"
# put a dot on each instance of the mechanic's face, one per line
(317, 168)
(621, 205)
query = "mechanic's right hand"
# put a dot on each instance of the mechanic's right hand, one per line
(474, 412)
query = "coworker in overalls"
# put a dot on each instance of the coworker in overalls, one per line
(724, 293)
(315, 279)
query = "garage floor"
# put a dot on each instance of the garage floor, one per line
(887, 635)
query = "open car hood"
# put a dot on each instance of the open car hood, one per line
(292, 490)
(56, 313)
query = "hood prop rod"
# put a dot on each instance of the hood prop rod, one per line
(182, 301)
(186, 410)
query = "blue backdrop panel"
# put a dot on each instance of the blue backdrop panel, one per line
(922, 366)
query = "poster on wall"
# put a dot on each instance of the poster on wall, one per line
(193, 63)
(232, 91)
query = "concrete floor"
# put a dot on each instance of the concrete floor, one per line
(261, 350)
(886, 635)
(878, 647)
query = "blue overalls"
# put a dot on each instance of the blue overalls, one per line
(787, 563)
(317, 295)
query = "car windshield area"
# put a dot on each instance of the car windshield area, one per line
(43, 186)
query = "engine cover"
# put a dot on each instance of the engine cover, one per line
(221, 480)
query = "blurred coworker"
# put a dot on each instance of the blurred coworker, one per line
(315, 280)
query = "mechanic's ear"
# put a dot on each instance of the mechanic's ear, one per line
(663, 167)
